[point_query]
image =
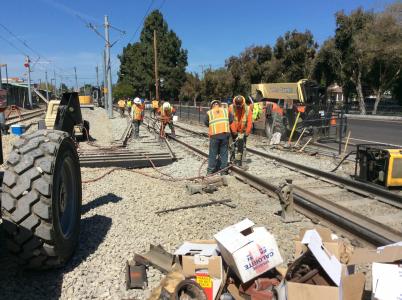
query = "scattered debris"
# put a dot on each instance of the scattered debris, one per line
(212, 202)
(156, 257)
(243, 262)
(208, 185)
(136, 276)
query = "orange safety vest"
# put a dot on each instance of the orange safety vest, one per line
(218, 121)
(155, 103)
(137, 112)
(239, 125)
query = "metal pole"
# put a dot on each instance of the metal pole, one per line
(76, 80)
(97, 77)
(156, 68)
(47, 87)
(29, 82)
(340, 133)
(1, 78)
(55, 85)
(6, 76)
(104, 80)
(109, 70)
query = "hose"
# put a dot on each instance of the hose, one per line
(343, 159)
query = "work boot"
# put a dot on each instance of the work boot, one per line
(173, 133)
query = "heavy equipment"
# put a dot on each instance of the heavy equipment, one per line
(281, 103)
(56, 110)
(41, 192)
(379, 164)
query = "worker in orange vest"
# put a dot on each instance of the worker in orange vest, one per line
(137, 114)
(240, 128)
(218, 120)
(166, 112)
(155, 106)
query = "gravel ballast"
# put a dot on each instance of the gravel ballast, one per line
(118, 220)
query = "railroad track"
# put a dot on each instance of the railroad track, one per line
(126, 153)
(334, 206)
(24, 117)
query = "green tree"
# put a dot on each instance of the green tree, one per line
(381, 43)
(295, 52)
(191, 89)
(327, 64)
(137, 60)
(122, 89)
(353, 67)
(217, 84)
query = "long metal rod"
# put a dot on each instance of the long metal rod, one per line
(156, 67)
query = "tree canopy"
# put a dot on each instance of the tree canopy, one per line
(137, 61)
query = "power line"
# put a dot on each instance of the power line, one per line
(142, 21)
(12, 45)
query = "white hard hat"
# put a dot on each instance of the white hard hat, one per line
(137, 100)
(166, 105)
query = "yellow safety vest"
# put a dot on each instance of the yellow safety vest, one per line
(121, 103)
(155, 103)
(218, 121)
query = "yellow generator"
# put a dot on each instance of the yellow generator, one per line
(379, 165)
(70, 100)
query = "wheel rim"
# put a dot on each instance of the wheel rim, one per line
(67, 198)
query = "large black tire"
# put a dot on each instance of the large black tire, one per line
(41, 199)
(274, 123)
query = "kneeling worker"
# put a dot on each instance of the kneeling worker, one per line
(218, 120)
(137, 114)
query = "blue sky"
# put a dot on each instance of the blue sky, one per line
(210, 30)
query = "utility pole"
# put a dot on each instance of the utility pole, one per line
(156, 68)
(47, 87)
(55, 86)
(104, 80)
(76, 80)
(1, 78)
(27, 65)
(108, 69)
(97, 77)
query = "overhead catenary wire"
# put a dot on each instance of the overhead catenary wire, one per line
(142, 21)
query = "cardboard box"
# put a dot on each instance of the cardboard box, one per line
(386, 272)
(199, 259)
(330, 240)
(249, 251)
(346, 286)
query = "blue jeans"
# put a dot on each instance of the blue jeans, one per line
(218, 154)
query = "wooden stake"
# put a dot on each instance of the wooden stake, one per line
(301, 150)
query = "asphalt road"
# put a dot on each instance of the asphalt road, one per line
(366, 131)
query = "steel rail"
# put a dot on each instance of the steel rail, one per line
(24, 117)
(370, 231)
(359, 187)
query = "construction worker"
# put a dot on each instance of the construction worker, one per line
(240, 128)
(155, 106)
(129, 105)
(122, 106)
(166, 112)
(137, 114)
(218, 120)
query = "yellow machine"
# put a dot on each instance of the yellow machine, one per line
(281, 103)
(378, 165)
(81, 130)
